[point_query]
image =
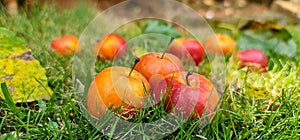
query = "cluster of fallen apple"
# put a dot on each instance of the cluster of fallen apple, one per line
(159, 75)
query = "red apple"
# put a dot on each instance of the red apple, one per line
(255, 59)
(187, 47)
(117, 87)
(155, 66)
(66, 45)
(220, 43)
(111, 46)
(188, 93)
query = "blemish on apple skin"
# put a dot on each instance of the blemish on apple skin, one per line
(187, 77)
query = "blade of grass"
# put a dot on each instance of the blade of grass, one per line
(114, 127)
(62, 114)
(53, 96)
(10, 102)
(27, 125)
(2, 121)
(45, 88)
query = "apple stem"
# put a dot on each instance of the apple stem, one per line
(135, 62)
(187, 77)
(170, 42)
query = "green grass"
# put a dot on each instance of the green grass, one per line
(239, 116)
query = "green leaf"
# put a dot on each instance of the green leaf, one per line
(53, 126)
(42, 105)
(294, 31)
(268, 42)
(160, 27)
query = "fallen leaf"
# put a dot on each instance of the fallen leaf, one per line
(25, 77)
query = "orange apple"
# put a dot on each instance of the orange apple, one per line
(66, 45)
(111, 46)
(155, 65)
(117, 87)
(187, 93)
(185, 47)
(223, 42)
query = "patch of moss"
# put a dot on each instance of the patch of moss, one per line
(266, 85)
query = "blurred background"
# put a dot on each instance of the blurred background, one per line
(220, 10)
